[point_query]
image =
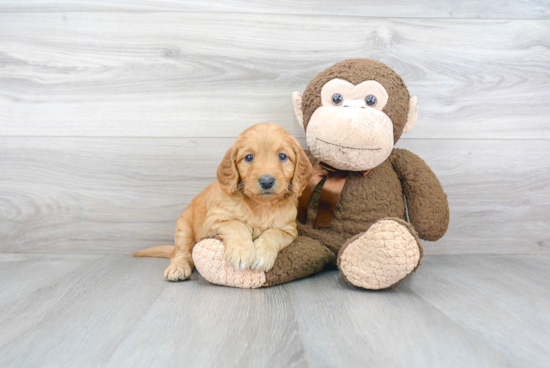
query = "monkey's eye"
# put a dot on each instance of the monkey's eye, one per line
(370, 100)
(282, 157)
(249, 158)
(337, 99)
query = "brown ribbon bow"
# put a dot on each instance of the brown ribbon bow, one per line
(330, 194)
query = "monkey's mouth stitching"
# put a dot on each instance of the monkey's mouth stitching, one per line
(354, 148)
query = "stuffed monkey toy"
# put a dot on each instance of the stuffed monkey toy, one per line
(368, 204)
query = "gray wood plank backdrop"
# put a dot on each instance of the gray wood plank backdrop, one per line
(115, 114)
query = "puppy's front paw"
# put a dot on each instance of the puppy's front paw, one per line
(240, 256)
(178, 271)
(265, 256)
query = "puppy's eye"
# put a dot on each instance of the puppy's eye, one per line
(337, 99)
(249, 158)
(282, 157)
(370, 100)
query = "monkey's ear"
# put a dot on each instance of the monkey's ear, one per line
(297, 102)
(413, 114)
(227, 174)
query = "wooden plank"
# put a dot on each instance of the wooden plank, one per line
(120, 311)
(213, 74)
(369, 8)
(79, 320)
(496, 299)
(343, 326)
(23, 274)
(214, 326)
(124, 194)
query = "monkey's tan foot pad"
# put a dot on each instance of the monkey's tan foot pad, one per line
(382, 256)
(209, 258)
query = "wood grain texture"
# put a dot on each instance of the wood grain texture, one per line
(213, 74)
(202, 325)
(456, 311)
(124, 194)
(502, 300)
(370, 8)
(99, 195)
(343, 326)
(81, 317)
(23, 274)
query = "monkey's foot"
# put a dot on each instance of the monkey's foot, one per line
(209, 258)
(302, 258)
(381, 257)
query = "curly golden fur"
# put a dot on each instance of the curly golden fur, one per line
(255, 223)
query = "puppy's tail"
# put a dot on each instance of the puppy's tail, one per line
(162, 251)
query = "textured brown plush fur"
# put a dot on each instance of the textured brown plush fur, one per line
(356, 71)
(300, 259)
(365, 200)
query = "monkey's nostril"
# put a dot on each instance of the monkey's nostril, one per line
(266, 181)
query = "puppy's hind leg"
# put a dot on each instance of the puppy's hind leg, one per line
(181, 261)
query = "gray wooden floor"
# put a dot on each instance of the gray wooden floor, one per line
(115, 310)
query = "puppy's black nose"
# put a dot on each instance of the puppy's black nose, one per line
(266, 181)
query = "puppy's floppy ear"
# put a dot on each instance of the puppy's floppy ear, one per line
(302, 170)
(228, 175)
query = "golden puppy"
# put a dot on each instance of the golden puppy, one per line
(251, 205)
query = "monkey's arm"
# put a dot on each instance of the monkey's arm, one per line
(426, 200)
